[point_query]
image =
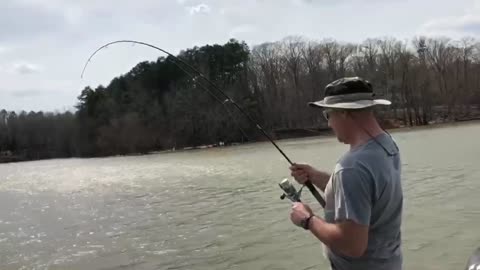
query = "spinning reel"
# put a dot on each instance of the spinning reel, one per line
(290, 191)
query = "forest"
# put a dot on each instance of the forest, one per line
(156, 106)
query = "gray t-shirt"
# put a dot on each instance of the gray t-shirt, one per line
(366, 187)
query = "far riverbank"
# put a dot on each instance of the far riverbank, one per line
(7, 157)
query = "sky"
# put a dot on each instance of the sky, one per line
(44, 44)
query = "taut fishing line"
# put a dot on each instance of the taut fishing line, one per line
(288, 188)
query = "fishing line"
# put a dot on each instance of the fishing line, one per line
(216, 98)
(181, 68)
(308, 184)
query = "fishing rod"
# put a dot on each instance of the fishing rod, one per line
(308, 184)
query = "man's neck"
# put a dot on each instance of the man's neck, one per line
(364, 131)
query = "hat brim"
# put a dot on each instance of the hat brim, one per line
(359, 104)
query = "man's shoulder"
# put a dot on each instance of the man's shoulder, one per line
(369, 154)
(355, 160)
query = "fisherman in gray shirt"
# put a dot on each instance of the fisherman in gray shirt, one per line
(361, 227)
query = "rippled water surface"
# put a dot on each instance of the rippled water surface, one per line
(220, 208)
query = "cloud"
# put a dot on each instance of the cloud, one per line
(201, 8)
(452, 26)
(301, 2)
(26, 21)
(20, 68)
(476, 5)
(455, 26)
(35, 99)
(242, 29)
(26, 93)
(25, 68)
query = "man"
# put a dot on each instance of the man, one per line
(474, 260)
(361, 228)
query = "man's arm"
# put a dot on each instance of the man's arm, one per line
(348, 234)
(348, 237)
(319, 179)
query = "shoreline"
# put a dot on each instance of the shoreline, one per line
(435, 125)
(322, 133)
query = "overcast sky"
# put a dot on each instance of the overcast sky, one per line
(45, 43)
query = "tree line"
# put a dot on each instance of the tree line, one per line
(157, 106)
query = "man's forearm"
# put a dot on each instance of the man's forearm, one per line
(325, 232)
(320, 179)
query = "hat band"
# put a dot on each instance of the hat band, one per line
(348, 98)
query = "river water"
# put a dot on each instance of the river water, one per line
(220, 208)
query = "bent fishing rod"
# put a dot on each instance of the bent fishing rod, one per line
(287, 187)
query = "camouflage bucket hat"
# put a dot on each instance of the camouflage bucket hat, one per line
(349, 93)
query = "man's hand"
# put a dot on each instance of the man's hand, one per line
(347, 237)
(302, 172)
(299, 212)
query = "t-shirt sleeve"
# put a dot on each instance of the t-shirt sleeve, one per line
(353, 196)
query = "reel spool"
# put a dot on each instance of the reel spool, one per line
(290, 191)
